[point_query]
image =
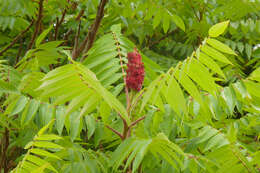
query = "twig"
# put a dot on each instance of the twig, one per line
(201, 153)
(243, 163)
(75, 48)
(63, 16)
(16, 38)
(197, 17)
(115, 131)
(163, 37)
(58, 23)
(3, 163)
(94, 28)
(202, 12)
(124, 121)
(137, 121)
(19, 52)
(80, 15)
(90, 38)
(140, 168)
(37, 25)
(69, 32)
(126, 131)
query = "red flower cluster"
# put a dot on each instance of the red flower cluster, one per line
(135, 71)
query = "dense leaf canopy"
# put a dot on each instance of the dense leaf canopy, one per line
(71, 96)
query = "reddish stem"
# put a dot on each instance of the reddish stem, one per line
(137, 121)
(90, 38)
(115, 131)
(16, 38)
(58, 24)
(37, 25)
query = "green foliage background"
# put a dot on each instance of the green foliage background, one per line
(64, 109)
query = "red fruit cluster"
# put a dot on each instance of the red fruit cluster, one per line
(135, 71)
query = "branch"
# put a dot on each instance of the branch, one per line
(19, 51)
(243, 162)
(94, 28)
(80, 15)
(115, 131)
(67, 34)
(74, 52)
(5, 145)
(37, 25)
(163, 37)
(202, 12)
(137, 121)
(76, 42)
(90, 38)
(127, 129)
(58, 24)
(16, 39)
(194, 11)
(124, 121)
(126, 132)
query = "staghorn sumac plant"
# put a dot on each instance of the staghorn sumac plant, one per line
(73, 104)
